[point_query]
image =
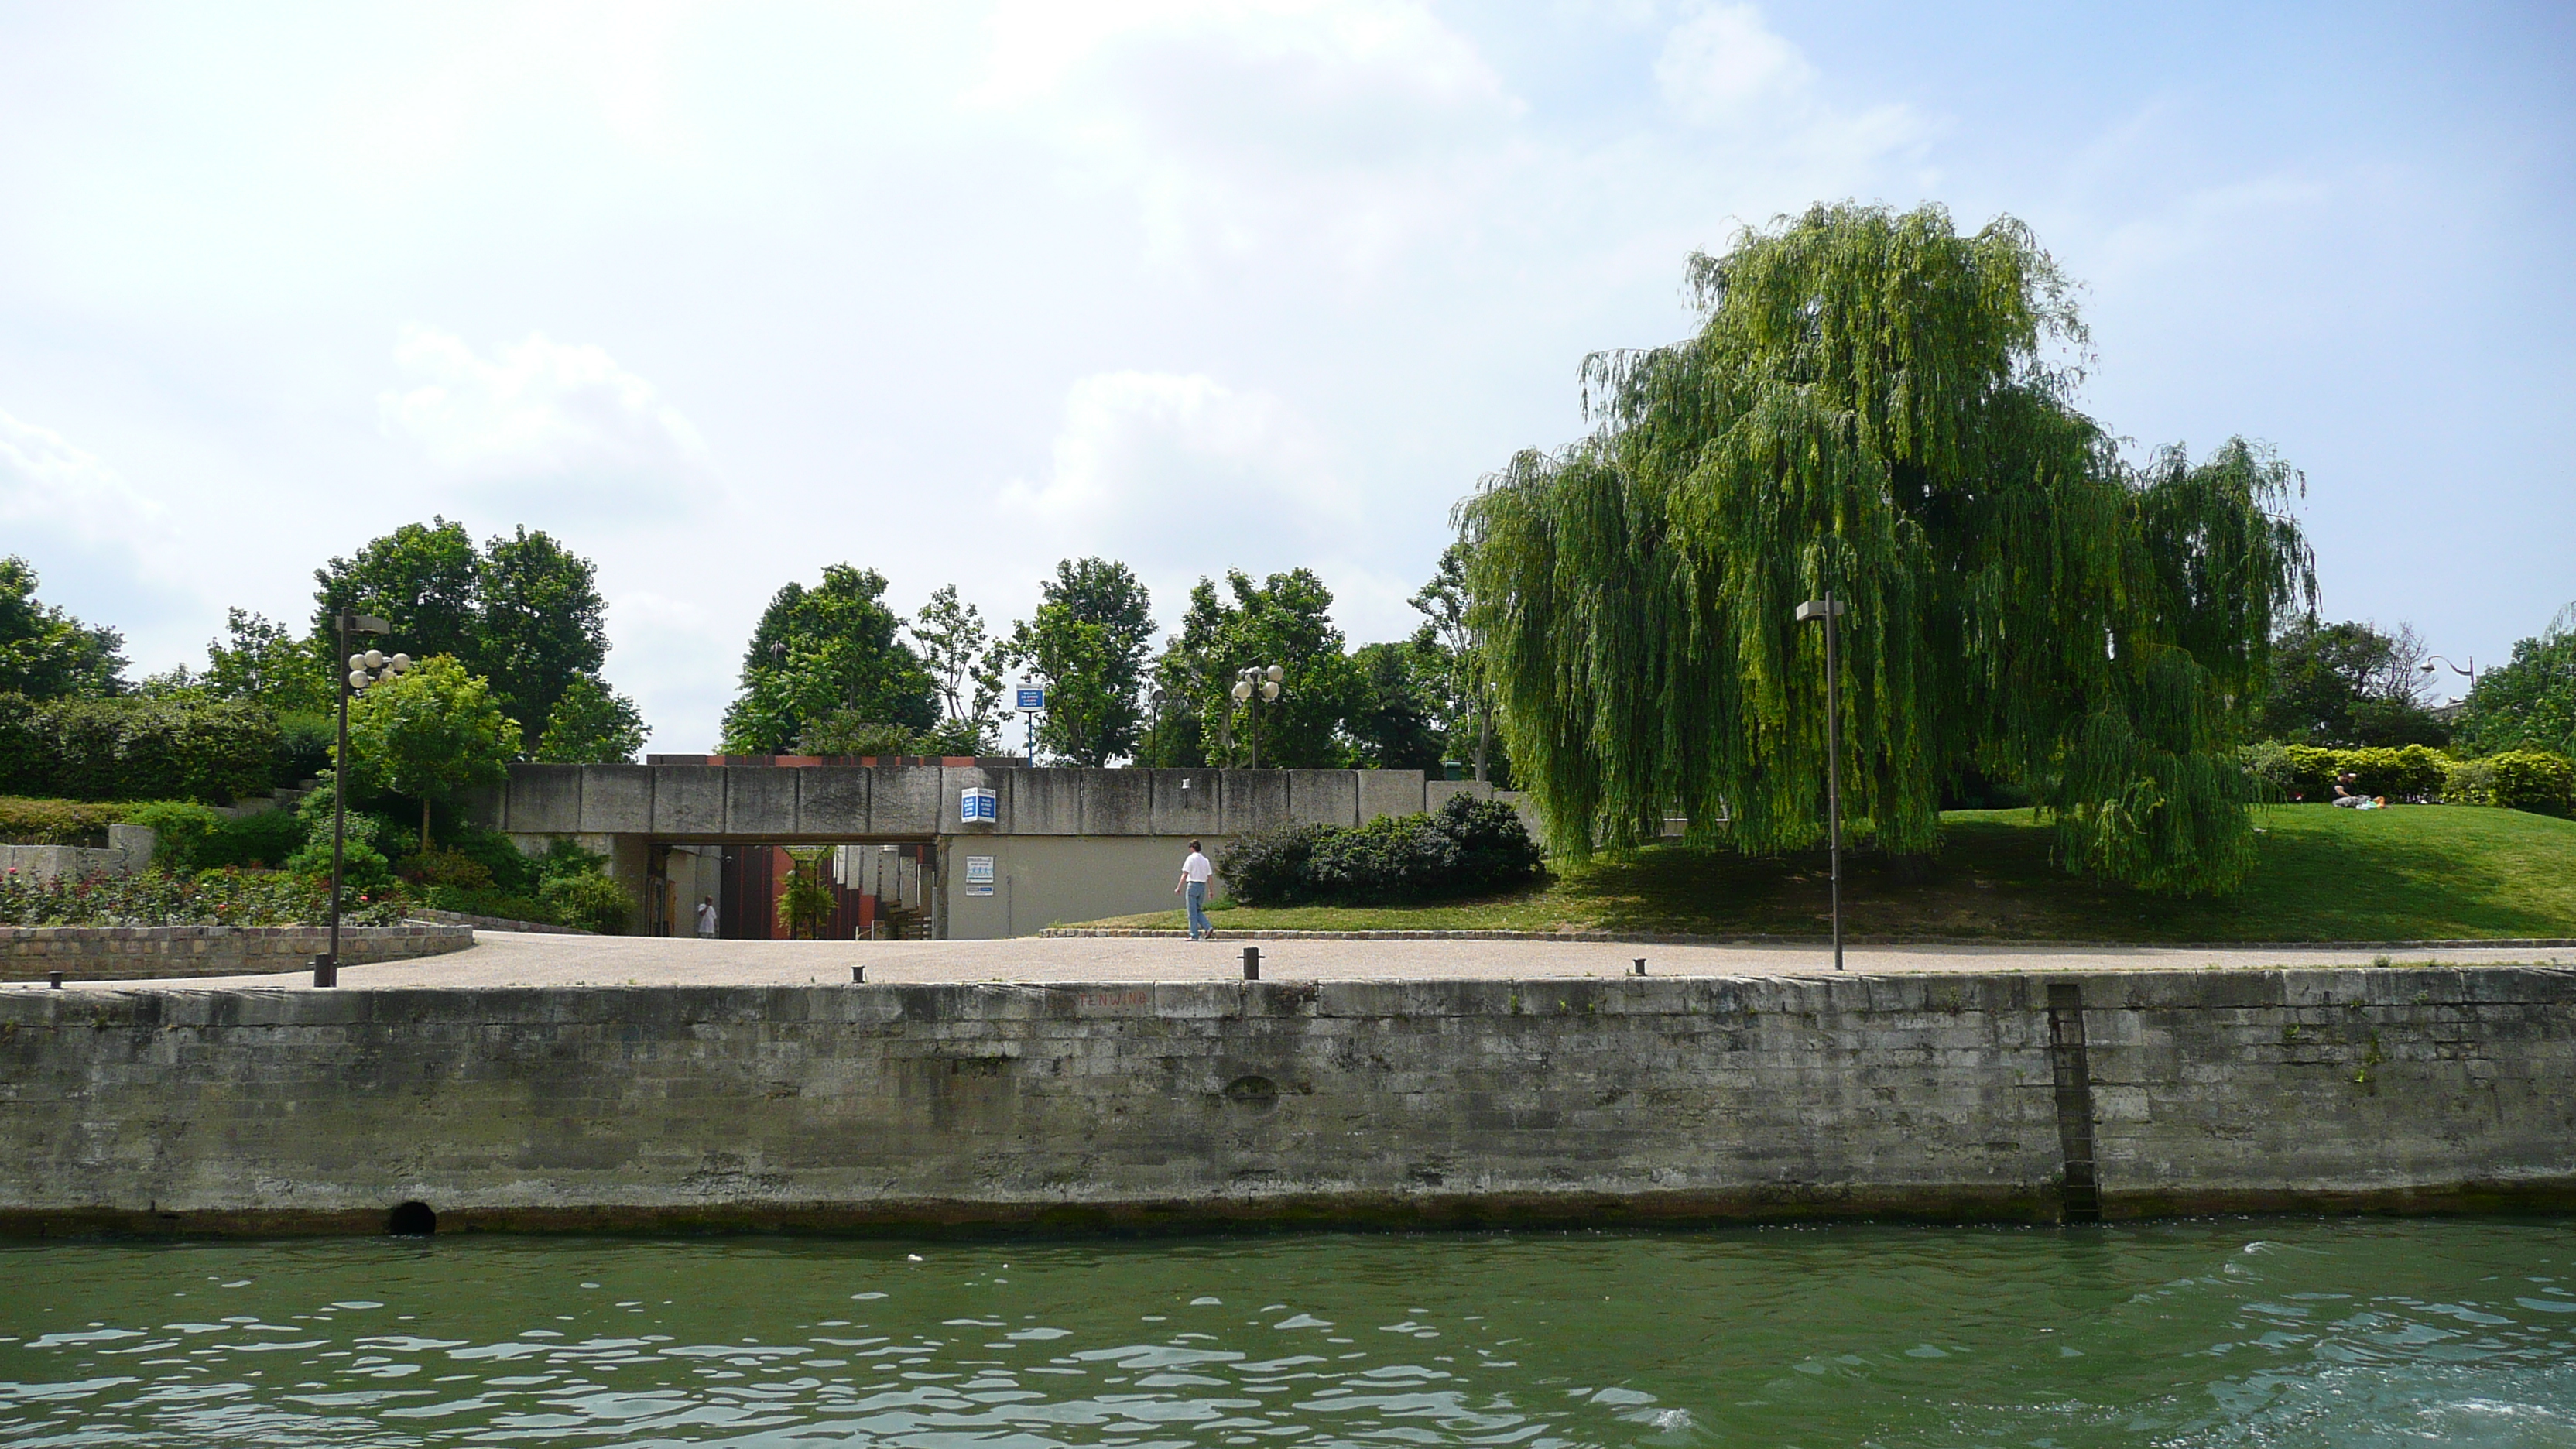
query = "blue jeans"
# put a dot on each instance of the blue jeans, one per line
(1196, 895)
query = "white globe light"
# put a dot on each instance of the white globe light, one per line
(357, 679)
(1269, 689)
(357, 661)
(1277, 674)
(1242, 690)
(375, 659)
(401, 663)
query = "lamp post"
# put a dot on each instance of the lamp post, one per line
(1829, 609)
(2471, 671)
(1255, 682)
(364, 669)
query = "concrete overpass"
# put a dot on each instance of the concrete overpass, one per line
(1060, 844)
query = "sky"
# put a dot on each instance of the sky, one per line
(719, 295)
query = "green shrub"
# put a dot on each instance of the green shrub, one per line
(55, 822)
(130, 748)
(512, 871)
(1272, 867)
(2287, 773)
(304, 742)
(1467, 847)
(264, 840)
(169, 898)
(181, 830)
(589, 900)
(2535, 780)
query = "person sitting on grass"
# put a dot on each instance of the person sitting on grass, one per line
(2347, 794)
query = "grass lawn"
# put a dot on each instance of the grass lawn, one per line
(2405, 873)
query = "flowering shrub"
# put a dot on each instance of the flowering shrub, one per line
(167, 898)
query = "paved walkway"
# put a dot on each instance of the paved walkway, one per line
(501, 959)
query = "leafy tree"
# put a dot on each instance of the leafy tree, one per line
(524, 612)
(421, 579)
(1286, 620)
(2528, 703)
(592, 724)
(1873, 406)
(539, 625)
(45, 653)
(965, 665)
(847, 732)
(1088, 643)
(263, 661)
(806, 898)
(1467, 687)
(429, 734)
(1395, 726)
(2348, 685)
(821, 650)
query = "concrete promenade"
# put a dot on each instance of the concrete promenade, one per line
(505, 960)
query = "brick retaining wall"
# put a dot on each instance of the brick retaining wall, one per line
(143, 953)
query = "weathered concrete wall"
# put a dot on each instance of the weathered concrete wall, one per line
(1041, 880)
(144, 953)
(1432, 1101)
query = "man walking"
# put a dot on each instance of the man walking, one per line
(706, 918)
(1193, 886)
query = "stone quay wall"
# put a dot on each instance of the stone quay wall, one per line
(150, 953)
(2003, 1097)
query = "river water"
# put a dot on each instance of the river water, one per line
(2226, 1332)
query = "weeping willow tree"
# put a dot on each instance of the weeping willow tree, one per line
(1879, 406)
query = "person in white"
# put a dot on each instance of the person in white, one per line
(707, 917)
(1196, 872)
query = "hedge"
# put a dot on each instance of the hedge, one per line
(1468, 847)
(2533, 780)
(129, 748)
(2290, 773)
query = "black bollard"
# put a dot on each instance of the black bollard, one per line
(858, 975)
(54, 979)
(1641, 965)
(326, 972)
(1251, 963)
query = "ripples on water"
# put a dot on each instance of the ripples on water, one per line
(2272, 1333)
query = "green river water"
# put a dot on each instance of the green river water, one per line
(2221, 1332)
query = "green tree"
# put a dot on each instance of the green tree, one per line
(1088, 644)
(262, 661)
(1466, 712)
(2347, 685)
(1875, 405)
(539, 625)
(421, 579)
(2528, 703)
(429, 734)
(965, 665)
(848, 732)
(45, 653)
(1285, 620)
(1395, 725)
(592, 724)
(820, 650)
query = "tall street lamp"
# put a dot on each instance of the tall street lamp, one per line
(1254, 681)
(2471, 671)
(364, 669)
(1829, 609)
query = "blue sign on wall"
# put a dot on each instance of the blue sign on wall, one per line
(977, 806)
(1031, 699)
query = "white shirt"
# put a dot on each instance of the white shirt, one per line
(706, 919)
(1197, 868)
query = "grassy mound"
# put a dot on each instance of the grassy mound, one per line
(2405, 873)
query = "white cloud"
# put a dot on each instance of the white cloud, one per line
(46, 479)
(537, 410)
(1165, 459)
(1721, 63)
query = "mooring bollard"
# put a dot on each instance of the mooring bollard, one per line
(1251, 963)
(326, 972)
(1641, 965)
(54, 979)
(858, 976)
